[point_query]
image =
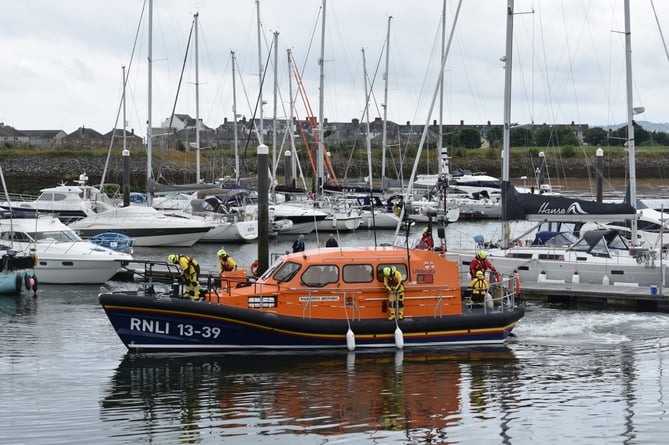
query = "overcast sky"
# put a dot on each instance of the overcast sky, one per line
(62, 59)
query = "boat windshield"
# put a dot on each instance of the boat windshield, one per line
(57, 235)
(16, 236)
(286, 272)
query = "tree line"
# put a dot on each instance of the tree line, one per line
(549, 136)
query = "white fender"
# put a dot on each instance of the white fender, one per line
(350, 340)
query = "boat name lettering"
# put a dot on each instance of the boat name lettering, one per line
(574, 208)
(320, 298)
(152, 326)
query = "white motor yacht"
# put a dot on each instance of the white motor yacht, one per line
(146, 226)
(63, 257)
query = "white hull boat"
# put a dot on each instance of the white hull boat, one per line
(63, 257)
(231, 232)
(146, 226)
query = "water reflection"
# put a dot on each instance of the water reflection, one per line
(417, 395)
(17, 305)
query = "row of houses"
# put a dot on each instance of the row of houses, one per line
(80, 138)
(179, 132)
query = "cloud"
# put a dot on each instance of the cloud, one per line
(62, 60)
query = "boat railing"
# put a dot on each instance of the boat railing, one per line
(20, 197)
(501, 295)
(350, 302)
(438, 296)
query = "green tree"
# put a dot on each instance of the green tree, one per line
(567, 136)
(595, 136)
(495, 135)
(544, 136)
(520, 137)
(660, 138)
(469, 138)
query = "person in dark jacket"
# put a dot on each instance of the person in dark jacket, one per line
(298, 245)
(331, 242)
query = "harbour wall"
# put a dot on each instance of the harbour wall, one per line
(28, 174)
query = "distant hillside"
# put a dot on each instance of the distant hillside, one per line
(648, 126)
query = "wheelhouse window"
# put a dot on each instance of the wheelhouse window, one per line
(286, 272)
(320, 275)
(358, 273)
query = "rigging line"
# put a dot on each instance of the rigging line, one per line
(412, 178)
(253, 119)
(203, 42)
(120, 105)
(659, 28)
(181, 77)
(372, 81)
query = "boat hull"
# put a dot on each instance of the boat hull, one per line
(76, 271)
(569, 267)
(164, 323)
(153, 236)
(14, 282)
(236, 232)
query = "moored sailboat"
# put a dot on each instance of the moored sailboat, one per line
(599, 256)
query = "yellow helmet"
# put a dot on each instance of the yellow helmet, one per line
(386, 271)
(482, 254)
(173, 258)
(479, 273)
(221, 252)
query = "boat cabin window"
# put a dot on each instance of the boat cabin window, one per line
(320, 275)
(57, 236)
(401, 267)
(358, 273)
(287, 271)
(16, 236)
(54, 196)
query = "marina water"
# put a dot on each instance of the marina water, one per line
(569, 375)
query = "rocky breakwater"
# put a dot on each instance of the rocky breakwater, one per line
(28, 174)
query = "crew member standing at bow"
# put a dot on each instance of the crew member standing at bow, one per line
(225, 262)
(190, 274)
(392, 280)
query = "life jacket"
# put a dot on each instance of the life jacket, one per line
(479, 286)
(191, 265)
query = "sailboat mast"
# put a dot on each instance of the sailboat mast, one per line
(507, 122)
(384, 141)
(125, 123)
(369, 143)
(321, 61)
(234, 114)
(630, 120)
(149, 136)
(276, 110)
(197, 103)
(291, 122)
(440, 142)
(260, 77)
